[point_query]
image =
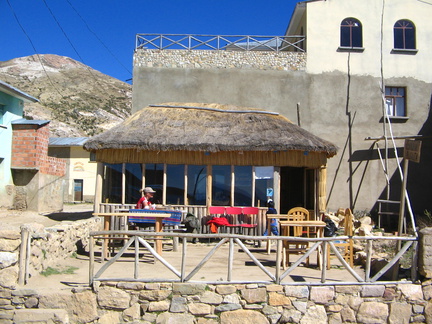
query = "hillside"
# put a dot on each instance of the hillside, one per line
(78, 100)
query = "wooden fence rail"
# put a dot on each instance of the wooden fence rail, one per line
(144, 239)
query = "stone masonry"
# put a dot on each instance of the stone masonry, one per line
(286, 61)
(121, 302)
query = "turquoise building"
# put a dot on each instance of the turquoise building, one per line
(12, 102)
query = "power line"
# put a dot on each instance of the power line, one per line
(34, 48)
(98, 38)
(68, 39)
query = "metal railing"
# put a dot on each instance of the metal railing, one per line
(135, 240)
(294, 43)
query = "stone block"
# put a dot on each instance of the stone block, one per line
(132, 313)
(297, 291)
(372, 290)
(8, 259)
(243, 316)
(227, 307)
(400, 313)
(154, 295)
(58, 316)
(276, 299)
(372, 313)
(9, 277)
(188, 288)
(131, 285)
(159, 306)
(178, 305)
(167, 318)
(411, 291)
(231, 299)
(322, 295)
(315, 314)
(225, 289)
(257, 295)
(113, 298)
(200, 309)
(212, 298)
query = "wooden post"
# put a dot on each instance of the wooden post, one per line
(22, 257)
(230, 259)
(91, 265)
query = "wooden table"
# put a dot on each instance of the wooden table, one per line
(319, 225)
(158, 224)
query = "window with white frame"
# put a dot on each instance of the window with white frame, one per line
(395, 98)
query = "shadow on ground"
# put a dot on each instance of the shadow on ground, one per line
(65, 216)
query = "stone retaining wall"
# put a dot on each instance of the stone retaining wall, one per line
(47, 246)
(200, 303)
(202, 59)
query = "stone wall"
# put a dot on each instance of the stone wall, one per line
(202, 59)
(200, 303)
(48, 246)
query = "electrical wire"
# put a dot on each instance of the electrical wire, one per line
(34, 48)
(98, 38)
(70, 42)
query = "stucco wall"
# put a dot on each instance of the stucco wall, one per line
(324, 18)
(340, 108)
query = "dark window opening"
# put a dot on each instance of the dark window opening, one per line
(351, 33)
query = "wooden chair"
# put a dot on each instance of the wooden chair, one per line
(292, 247)
(346, 245)
(214, 211)
(232, 214)
(250, 218)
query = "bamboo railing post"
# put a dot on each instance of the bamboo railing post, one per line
(230, 259)
(278, 260)
(324, 258)
(136, 265)
(368, 260)
(91, 264)
(23, 256)
(183, 259)
(414, 267)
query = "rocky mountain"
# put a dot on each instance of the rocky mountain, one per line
(78, 100)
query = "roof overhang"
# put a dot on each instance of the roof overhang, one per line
(10, 90)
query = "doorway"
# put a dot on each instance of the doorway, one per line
(78, 189)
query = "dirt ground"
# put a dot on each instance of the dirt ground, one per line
(214, 270)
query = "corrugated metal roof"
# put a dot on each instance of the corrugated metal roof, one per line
(23, 121)
(67, 141)
(7, 88)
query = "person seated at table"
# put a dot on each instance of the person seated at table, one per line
(145, 201)
(274, 224)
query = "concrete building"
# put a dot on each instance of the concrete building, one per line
(80, 178)
(340, 69)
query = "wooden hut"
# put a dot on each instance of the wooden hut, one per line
(231, 155)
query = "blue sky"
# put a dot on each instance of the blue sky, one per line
(101, 34)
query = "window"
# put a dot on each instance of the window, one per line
(133, 176)
(242, 185)
(404, 35)
(395, 99)
(221, 186)
(154, 174)
(351, 33)
(175, 181)
(197, 186)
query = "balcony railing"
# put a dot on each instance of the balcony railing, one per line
(218, 42)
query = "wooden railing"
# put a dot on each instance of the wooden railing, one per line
(294, 43)
(273, 274)
(201, 212)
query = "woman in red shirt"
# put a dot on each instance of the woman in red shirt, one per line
(145, 200)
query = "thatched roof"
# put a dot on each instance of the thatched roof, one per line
(208, 128)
